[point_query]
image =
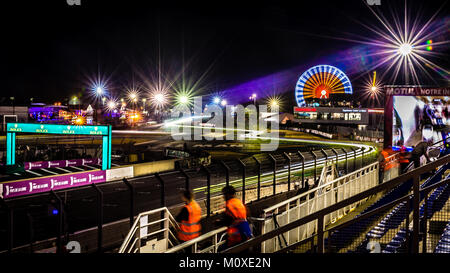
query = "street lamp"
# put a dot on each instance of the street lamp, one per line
(133, 96)
(184, 100)
(111, 105)
(253, 97)
(99, 91)
(12, 100)
(405, 49)
(159, 98)
(143, 103)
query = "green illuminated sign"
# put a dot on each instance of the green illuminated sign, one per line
(57, 129)
(98, 130)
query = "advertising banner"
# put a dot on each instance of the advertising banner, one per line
(39, 185)
(61, 163)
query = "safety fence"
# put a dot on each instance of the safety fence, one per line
(151, 233)
(209, 242)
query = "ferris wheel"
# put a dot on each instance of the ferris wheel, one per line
(320, 82)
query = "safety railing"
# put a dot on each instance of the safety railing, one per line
(314, 200)
(205, 243)
(317, 240)
(391, 167)
(151, 232)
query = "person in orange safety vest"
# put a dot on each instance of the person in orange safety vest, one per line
(385, 162)
(235, 217)
(189, 218)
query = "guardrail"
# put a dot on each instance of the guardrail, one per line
(143, 231)
(394, 167)
(315, 200)
(212, 247)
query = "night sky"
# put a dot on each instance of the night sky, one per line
(50, 49)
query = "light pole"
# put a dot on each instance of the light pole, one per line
(143, 103)
(12, 100)
(253, 97)
(98, 93)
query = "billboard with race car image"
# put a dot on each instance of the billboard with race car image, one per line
(417, 118)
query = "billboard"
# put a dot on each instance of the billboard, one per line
(61, 163)
(46, 184)
(415, 114)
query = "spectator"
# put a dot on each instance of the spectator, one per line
(382, 163)
(235, 218)
(189, 218)
(420, 150)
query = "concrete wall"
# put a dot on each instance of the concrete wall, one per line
(119, 173)
(153, 167)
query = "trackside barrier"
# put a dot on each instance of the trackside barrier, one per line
(64, 181)
(153, 167)
(151, 233)
(119, 173)
(51, 183)
(314, 200)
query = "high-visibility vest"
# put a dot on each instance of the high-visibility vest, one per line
(391, 163)
(191, 228)
(236, 209)
(385, 162)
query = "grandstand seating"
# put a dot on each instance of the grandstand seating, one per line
(394, 218)
(443, 246)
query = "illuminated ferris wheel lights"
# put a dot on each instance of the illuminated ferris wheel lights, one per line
(321, 82)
